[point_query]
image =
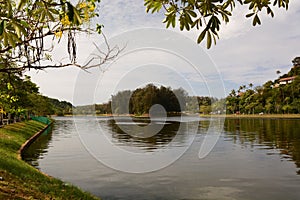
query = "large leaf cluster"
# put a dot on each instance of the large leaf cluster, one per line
(208, 15)
(25, 24)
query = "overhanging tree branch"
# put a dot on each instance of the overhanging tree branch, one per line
(23, 33)
(208, 15)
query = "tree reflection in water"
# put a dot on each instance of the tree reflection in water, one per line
(38, 148)
(281, 134)
(159, 140)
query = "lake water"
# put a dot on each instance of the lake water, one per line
(252, 159)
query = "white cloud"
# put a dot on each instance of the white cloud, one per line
(119, 16)
(255, 54)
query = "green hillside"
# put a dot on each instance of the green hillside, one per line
(281, 96)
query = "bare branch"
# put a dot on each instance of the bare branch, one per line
(104, 57)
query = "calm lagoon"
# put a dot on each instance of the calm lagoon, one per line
(252, 159)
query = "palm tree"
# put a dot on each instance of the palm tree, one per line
(296, 62)
(232, 93)
(250, 85)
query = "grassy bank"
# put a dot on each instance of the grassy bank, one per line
(267, 116)
(18, 180)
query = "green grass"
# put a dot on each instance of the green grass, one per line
(19, 180)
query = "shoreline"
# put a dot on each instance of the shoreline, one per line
(255, 116)
(31, 140)
(231, 116)
(18, 179)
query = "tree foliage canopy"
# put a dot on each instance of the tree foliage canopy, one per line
(19, 97)
(25, 26)
(141, 100)
(208, 15)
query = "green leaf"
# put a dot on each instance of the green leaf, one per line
(50, 16)
(99, 28)
(5, 39)
(194, 23)
(256, 20)
(252, 4)
(173, 21)
(156, 7)
(188, 19)
(21, 4)
(192, 2)
(70, 12)
(201, 36)
(240, 1)
(54, 11)
(250, 15)
(11, 40)
(168, 21)
(9, 8)
(77, 18)
(2, 27)
(9, 86)
(38, 12)
(25, 24)
(40, 4)
(192, 13)
(42, 16)
(152, 5)
(208, 42)
(269, 11)
(48, 56)
(19, 29)
(225, 18)
(181, 26)
(215, 40)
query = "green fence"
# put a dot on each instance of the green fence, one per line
(44, 120)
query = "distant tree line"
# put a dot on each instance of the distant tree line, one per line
(20, 99)
(140, 100)
(273, 97)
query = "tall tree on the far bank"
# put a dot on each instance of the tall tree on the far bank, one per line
(296, 62)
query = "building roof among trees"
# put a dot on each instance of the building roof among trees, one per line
(287, 78)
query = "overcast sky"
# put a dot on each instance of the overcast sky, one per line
(243, 55)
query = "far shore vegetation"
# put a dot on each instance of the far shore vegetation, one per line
(265, 116)
(20, 99)
(274, 98)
